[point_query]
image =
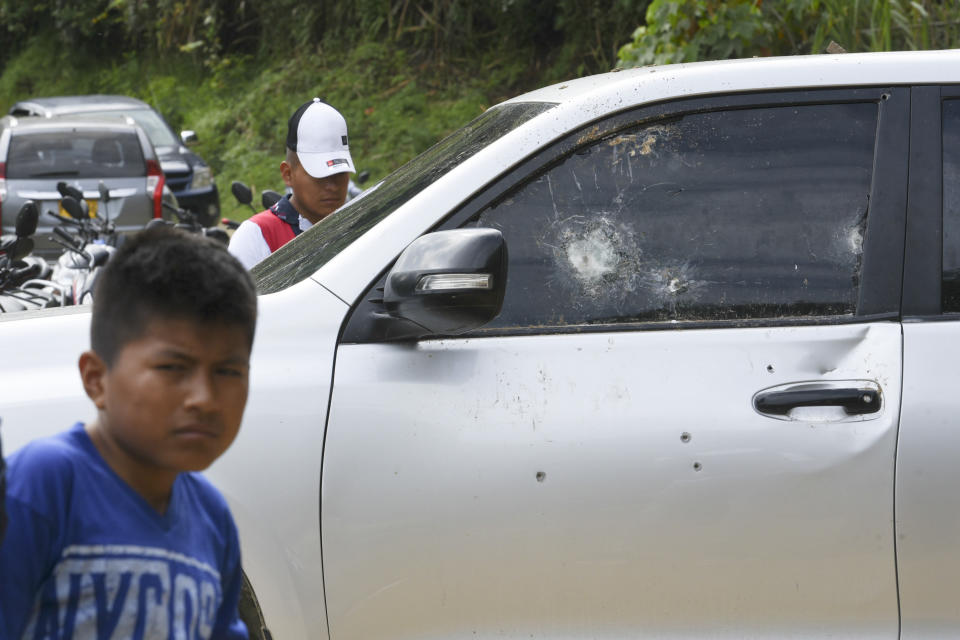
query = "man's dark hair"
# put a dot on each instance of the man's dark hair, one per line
(165, 273)
(292, 158)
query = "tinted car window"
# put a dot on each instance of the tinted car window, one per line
(150, 121)
(75, 153)
(950, 291)
(741, 214)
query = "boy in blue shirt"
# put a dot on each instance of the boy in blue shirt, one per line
(111, 534)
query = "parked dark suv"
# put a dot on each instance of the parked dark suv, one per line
(187, 175)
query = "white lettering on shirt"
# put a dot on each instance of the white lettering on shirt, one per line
(127, 592)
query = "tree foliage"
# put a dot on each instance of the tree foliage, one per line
(690, 30)
(403, 72)
(451, 31)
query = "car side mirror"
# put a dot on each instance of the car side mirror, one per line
(447, 282)
(189, 137)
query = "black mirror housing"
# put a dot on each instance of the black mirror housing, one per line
(73, 207)
(241, 192)
(217, 234)
(269, 198)
(448, 282)
(27, 218)
(67, 190)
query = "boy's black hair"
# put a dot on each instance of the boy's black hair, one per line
(162, 272)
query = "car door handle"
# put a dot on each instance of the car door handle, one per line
(853, 401)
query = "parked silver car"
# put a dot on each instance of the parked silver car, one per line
(36, 154)
(188, 176)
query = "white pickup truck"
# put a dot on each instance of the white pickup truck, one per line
(668, 352)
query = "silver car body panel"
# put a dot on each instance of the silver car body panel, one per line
(122, 208)
(592, 485)
(55, 195)
(927, 499)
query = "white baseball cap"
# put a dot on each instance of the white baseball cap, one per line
(318, 134)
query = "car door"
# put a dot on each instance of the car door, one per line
(927, 503)
(683, 423)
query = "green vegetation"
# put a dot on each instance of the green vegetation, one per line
(403, 73)
(240, 108)
(690, 30)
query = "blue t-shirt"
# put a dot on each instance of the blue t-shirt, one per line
(85, 556)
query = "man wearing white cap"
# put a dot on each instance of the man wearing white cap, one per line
(317, 169)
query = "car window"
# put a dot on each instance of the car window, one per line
(950, 289)
(312, 249)
(149, 120)
(725, 215)
(76, 153)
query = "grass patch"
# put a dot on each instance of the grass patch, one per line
(239, 106)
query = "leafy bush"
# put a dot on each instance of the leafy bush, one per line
(690, 30)
(687, 30)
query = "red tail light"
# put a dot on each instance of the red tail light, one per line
(155, 182)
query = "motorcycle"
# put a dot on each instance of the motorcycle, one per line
(88, 245)
(19, 271)
(91, 242)
(92, 230)
(188, 222)
(86, 251)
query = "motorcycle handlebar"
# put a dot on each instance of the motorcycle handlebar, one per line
(62, 219)
(66, 237)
